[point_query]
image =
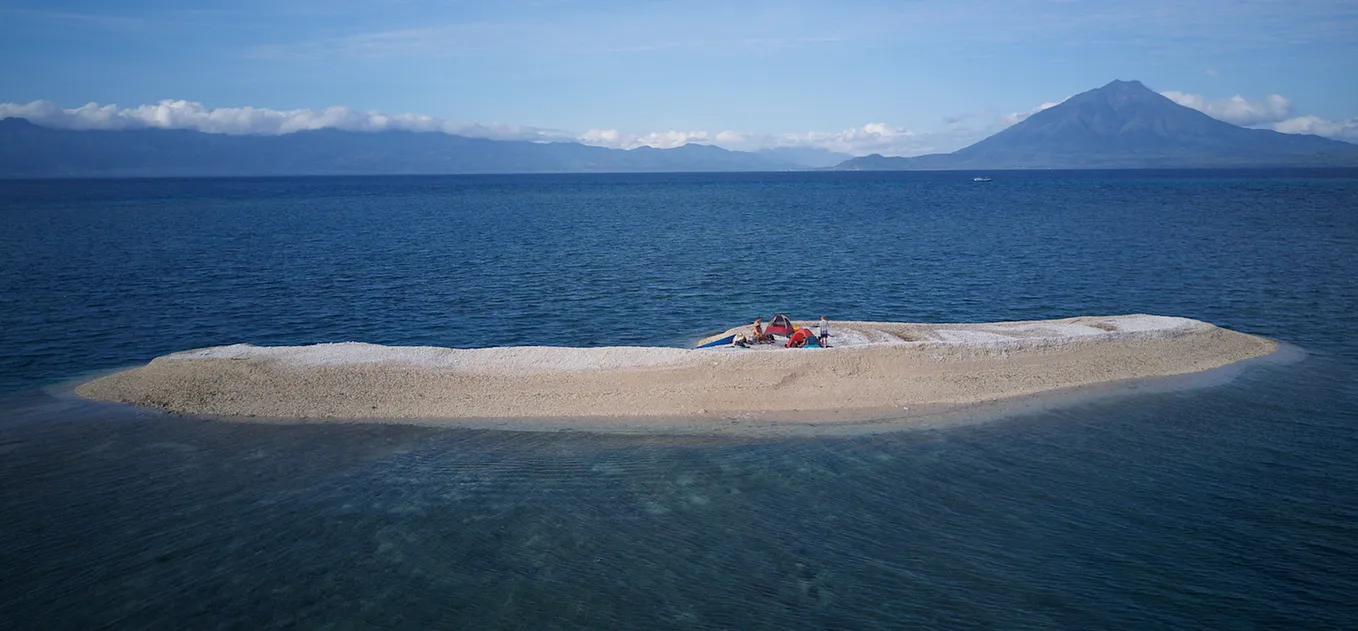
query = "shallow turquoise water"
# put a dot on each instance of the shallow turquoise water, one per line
(1228, 507)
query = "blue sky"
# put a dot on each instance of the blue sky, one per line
(858, 76)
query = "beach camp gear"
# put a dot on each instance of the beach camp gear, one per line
(800, 337)
(721, 342)
(780, 325)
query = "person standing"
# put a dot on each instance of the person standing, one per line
(823, 333)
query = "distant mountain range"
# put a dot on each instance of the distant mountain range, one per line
(27, 150)
(1125, 125)
(1121, 125)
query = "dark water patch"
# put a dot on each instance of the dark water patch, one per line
(1195, 509)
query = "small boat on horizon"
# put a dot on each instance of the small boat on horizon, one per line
(980, 179)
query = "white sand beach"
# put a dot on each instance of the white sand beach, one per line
(873, 370)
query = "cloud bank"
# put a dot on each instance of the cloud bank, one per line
(869, 138)
(1339, 130)
(252, 121)
(1273, 112)
(1237, 110)
(192, 115)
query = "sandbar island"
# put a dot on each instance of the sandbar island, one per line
(873, 370)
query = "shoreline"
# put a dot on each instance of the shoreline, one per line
(875, 374)
(839, 423)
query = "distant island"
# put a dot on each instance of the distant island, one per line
(1123, 125)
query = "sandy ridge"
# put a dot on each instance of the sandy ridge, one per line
(871, 368)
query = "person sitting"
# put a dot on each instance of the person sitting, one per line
(760, 337)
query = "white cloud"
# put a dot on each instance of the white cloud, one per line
(1014, 118)
(171, 114)
(870, 138)
(608, 138)
(660, 140)
(191, 115)
(1339, 130)
(615, 139)
(1237, 110)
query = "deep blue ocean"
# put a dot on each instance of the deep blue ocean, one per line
(1233, 506)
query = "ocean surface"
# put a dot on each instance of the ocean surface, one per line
(1233, 506)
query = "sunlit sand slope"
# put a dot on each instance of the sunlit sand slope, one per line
(872, 367)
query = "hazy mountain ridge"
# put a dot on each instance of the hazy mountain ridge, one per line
(1120, 125)
(28, 150)
(1126, 125)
